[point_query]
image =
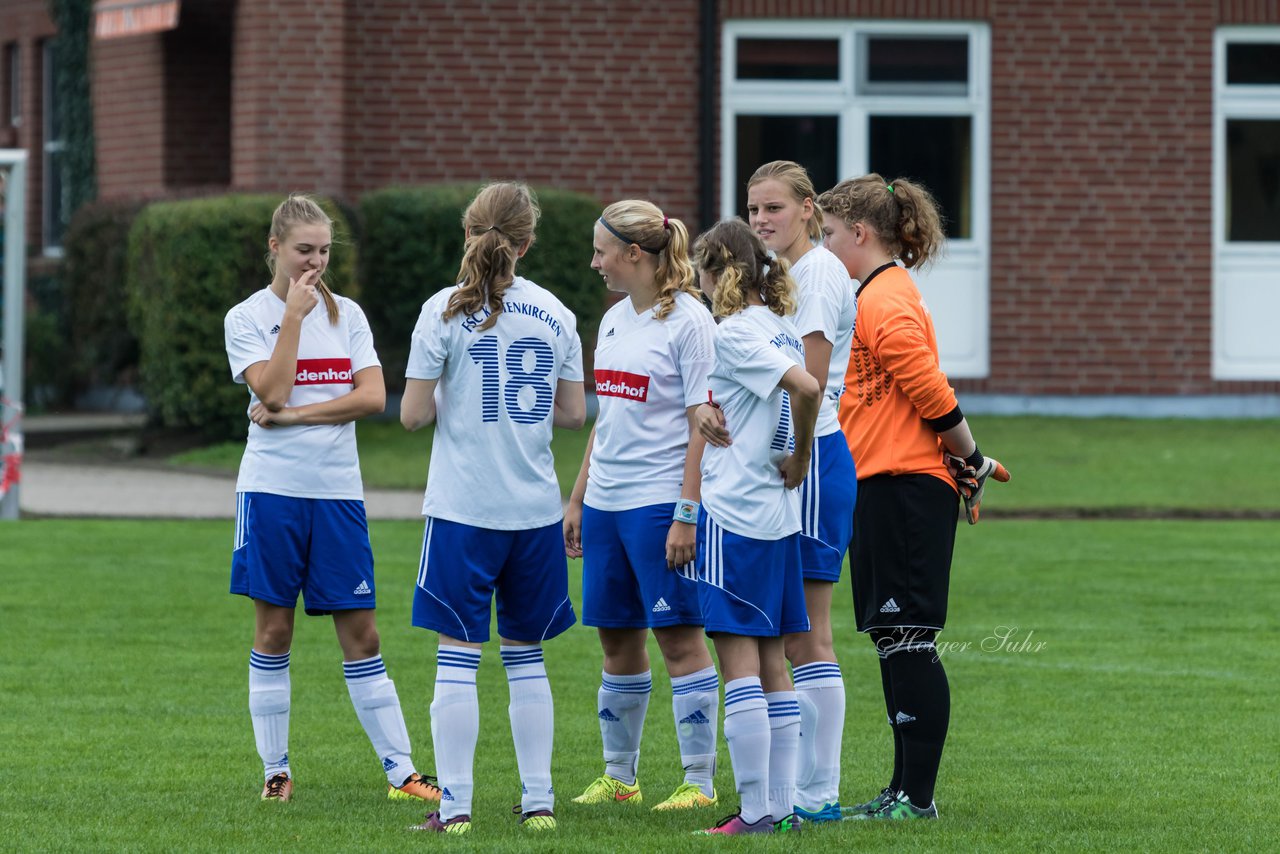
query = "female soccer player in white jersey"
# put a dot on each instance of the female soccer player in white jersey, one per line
(633, 512)
(780, 205)
(495, 361)
(308, 359)
(750, 589)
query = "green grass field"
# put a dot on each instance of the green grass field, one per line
(1143, 721)
(1110, 465)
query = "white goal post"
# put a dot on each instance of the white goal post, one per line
(13, 192)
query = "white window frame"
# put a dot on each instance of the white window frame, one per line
(49, 147)
(961, 314)
(1246, 287)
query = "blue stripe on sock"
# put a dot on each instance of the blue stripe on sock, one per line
(710, 683)
(261, 661)
(741, 695)
(627, 687)
(532, 655)
(362, 671)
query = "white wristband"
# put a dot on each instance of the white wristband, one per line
(686, 511)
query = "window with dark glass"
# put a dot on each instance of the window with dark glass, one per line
(937, 152)
(811, 141)
(788, 59)
(1253, 180)
(1253, 63)
(55, 209)
(899, 63)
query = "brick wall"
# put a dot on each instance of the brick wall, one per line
(1101, 136)
(1101, 186)
(288, 107)
(128, 114)
(27, 23)
(599, 97)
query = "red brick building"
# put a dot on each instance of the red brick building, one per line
(1110, 169)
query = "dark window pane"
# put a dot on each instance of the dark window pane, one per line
(788, 59)
(55, 210)
(908, 60)
(53, 105)
(936, 152)
(1253, 63)
(1253, 180)
(811, 141)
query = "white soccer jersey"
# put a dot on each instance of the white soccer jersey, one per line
(647, 373)
(742, 488)
(313, 460)
(828, 304)
(491, 463)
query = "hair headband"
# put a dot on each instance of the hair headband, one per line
(628, 240)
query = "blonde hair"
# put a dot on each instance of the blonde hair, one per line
(301, 209)
(499, 223)
(796, 179)
(902, 213)
(635, 221)
(737, 259)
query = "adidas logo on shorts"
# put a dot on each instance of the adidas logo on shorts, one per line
(903, 718)
(661, 605)
(363, 589)
(890, 607)
(696, 718)
(607, 715)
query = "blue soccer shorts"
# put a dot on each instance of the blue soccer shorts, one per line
(464, 568)
(827, 498)
(318, 547)
(626, 583)
(748, 586)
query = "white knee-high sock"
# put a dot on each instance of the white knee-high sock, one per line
(746, 728)
(378, 707)
(820, 690)
(622, 702)
(269, 709)
(455, 726)
(784, 736)
(695, 702)
(532, 723)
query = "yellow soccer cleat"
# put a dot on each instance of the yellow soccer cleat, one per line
(606, 789)
(688, 796)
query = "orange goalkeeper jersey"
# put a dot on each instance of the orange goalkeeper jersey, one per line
(894, 382)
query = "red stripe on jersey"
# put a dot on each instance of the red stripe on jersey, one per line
(323, 372)
(622, 384)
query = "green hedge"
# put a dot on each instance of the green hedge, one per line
(189, 263)
(95, 261)
(413, 245)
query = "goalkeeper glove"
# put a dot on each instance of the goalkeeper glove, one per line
(971, 475)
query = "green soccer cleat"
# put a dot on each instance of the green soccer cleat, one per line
(886, 796)
(605, 789)
(688, 796)
(538, 820)
(899, 808)
(788, 824)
